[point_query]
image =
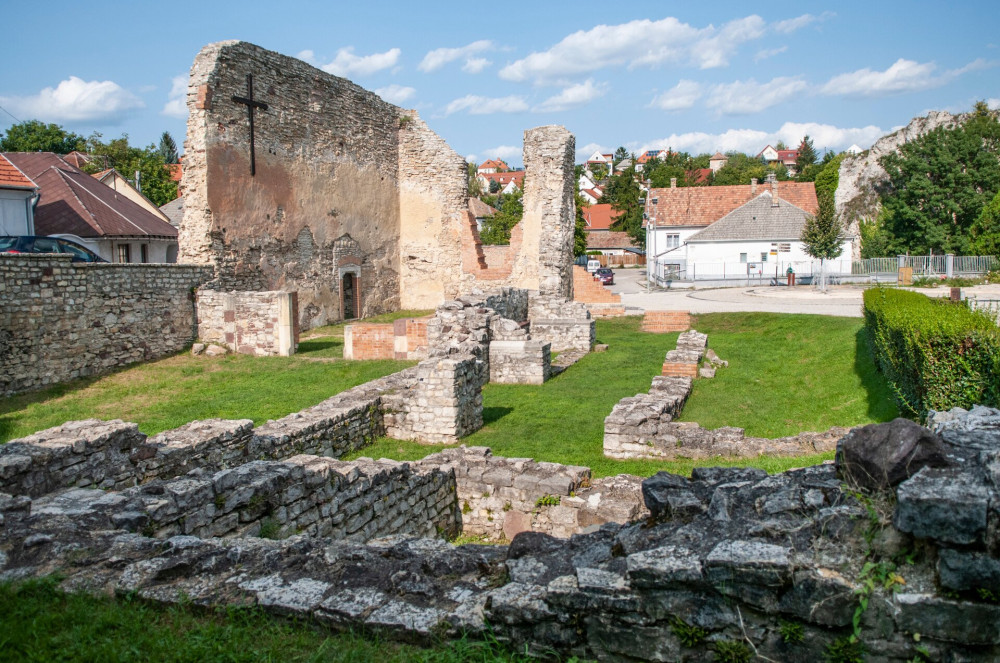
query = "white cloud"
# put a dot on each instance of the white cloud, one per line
(679, 97)
(903, 76)
(477, 105)
(176, 105)
(475, 65)
(993, 103)
(76, 100)
(574, 95)
(308, 56)
(766, 53)
(348, 64)
(439, 57)
(505, 152)
(752, 141)
(744, 97)
(790, 25)
(640, 43)
(584, 151)
(395, 94)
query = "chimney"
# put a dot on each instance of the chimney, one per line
(753, 186)
(774, 192)
(673, 182)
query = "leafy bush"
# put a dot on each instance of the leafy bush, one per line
(936, 354)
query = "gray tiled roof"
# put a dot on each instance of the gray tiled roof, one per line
(174, 211)
(757, 219)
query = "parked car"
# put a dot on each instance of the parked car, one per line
(38, 244)
(605, 276)
(593, 265)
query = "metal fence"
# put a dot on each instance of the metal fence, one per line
(926, 265)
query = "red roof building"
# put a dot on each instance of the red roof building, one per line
(75, 203)
(17, 196)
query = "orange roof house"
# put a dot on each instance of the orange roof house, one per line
(18, 193)
(703, 205)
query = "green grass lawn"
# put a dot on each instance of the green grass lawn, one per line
(39, 623)
(787, 374)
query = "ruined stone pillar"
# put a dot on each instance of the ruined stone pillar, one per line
(549, 212)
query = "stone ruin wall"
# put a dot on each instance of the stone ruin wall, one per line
(728, 560)
(60, 321)
(254, 323)
(324, 201)
(645, 425)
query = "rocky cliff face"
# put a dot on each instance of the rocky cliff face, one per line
(859, 175)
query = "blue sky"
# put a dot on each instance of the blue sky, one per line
(694, 76)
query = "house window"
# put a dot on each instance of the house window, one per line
(144, 253)
(743, 257)
(673, 241)
(656, 201)
(123, 253)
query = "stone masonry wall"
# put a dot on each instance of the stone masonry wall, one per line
(502, 497)
(443, 404)
(60, 321)
(549, 212)
(565, 325)
(520, 362)
(729, 564)
(254, 323)
(303, 494)
(323, 201)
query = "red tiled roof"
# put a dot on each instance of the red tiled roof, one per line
(77, 159)
(718, 156)
(176, 171)
(609, 239)
(12, 178)
(504, 178)
(699, 175)
(494, 163)
(703, 205)
(480, 209)
(594, 193)
(598, 217)
(74, 202)
(786, 156)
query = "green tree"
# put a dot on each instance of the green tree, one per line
(939, 183)
(620, 155)
(35, 136)
(473, 185)
(154, 176)
(599, 171)
(828, 177)
(494, 186)
(579, 230)
(510, 209)
(985, 230)
(806, 157)
(874, 240)
(168, 148)
(740, 169)
(677, 164)
(625, 196)
(821, 235)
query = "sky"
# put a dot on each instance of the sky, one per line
(690, 76)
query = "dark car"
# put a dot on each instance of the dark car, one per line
(605, 276)
(37, 244)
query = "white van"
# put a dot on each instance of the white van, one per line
(593, 265)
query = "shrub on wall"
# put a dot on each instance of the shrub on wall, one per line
(936, 354)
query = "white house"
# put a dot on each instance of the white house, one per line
(592, 195)
(717, 161)
(18, 194)
(769, 155)
(854, 149)
(674, 215)
(758, 239)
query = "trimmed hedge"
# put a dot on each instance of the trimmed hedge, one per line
(935, 353)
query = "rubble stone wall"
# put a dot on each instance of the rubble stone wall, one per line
(254, 323)
(729, 563)
(520, 362)
(502, 497)
(443, 404)
(60, 320)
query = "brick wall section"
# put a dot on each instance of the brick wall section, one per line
(369, 341)
(60, 321)
(405, 338)
(601, 302)
(253, 323)
(501, 497)
(662, 322)
(684, 360)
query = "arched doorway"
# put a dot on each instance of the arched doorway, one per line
(349, 296)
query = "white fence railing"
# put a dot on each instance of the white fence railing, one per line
(988, 306)
(927, 265)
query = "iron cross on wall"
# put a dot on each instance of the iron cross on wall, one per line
(251, 106)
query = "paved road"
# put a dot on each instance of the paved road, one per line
(843, 300)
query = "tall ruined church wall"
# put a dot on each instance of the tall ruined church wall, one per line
(433, 206)
(323, 202)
